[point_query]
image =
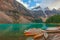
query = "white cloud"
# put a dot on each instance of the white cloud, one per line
(37, 4)
(50, 3)
(55, 4)
(25, 4)
(45, 3)
(29, 1)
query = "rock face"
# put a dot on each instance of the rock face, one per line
(39, 12)
(11, 10)
(5, 18)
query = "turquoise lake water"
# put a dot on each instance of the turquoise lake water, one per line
(17, 29)
(14, 31)
(25, 26)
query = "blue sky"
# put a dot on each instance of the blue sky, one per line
(43, 3)
(31, 2)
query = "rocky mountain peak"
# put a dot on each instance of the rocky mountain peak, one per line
(37, 8)
(46, 8)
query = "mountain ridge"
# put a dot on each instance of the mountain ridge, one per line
(14, 10)
(38, 11)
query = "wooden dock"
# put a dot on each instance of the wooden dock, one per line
(52, 35)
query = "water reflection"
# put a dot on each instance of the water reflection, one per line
(19, 28)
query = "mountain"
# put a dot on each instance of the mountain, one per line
(37, 8)
(46, 8)
(59, 9)
(11, 11)
(46, 12)
(37, 12)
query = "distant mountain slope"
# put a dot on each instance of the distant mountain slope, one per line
(13, 10)
(39, 12)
